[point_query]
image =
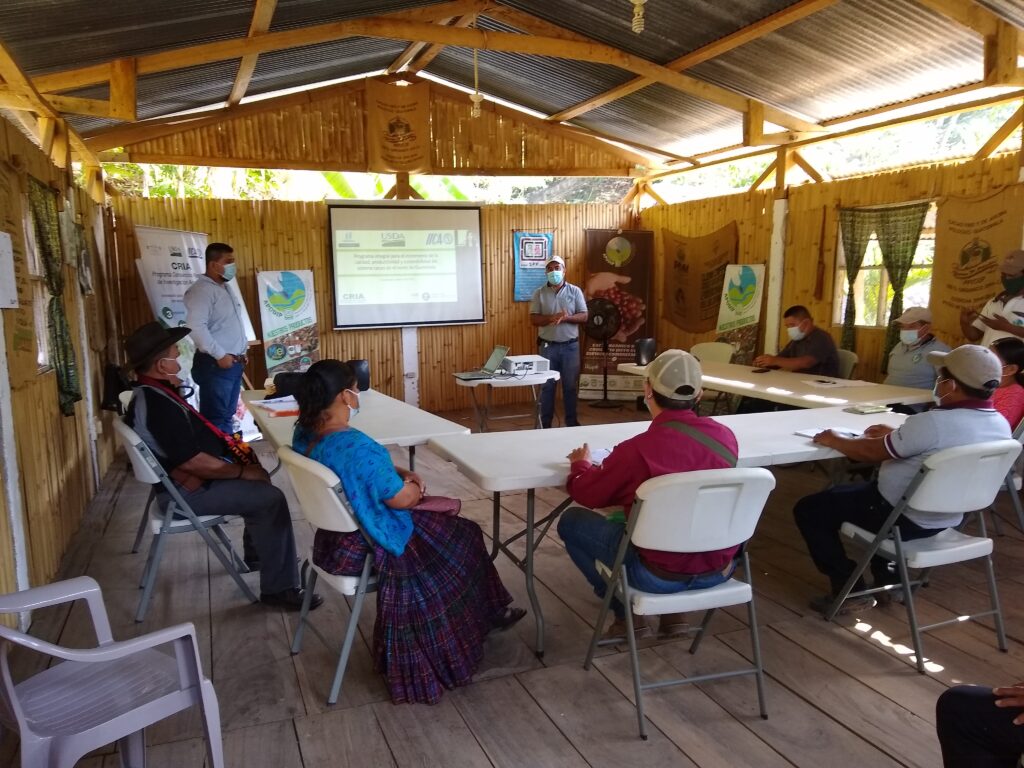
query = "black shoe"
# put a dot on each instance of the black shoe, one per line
(252, 562)
(290, 599)
(510, 617)
(850, 605)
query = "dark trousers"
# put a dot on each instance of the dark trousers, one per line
(974, 732)
(218, 390)
(564, 358)
(264, 509)
(820, 516)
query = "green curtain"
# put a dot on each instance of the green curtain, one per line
(856, 225)
(43, 202)
(899, 229)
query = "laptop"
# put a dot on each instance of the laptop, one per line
(487, 372)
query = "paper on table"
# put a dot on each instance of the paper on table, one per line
(840, 432)
(598, 455)
(279, 407)
(837, 383)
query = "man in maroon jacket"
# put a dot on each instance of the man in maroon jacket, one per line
(678, 440)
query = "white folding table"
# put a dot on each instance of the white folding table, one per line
(483, 410)
(531, 459)
(385, 419)
(794, 388)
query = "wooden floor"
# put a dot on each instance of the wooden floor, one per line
(843, 694)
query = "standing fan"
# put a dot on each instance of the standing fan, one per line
(603, 320)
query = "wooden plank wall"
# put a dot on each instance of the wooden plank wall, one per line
(291, 235)
(53, 450)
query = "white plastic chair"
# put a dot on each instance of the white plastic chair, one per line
(1012, 486)
(955, 480)
(125, 399)
(714, 352)
(177, 518)
(325, 506)
(699, 511)
(97, 696)
(847, 363)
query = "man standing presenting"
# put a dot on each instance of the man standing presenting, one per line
(216, 322)
(557, 309)
(1002, 315)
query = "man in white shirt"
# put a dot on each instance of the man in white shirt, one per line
(215, 318)
(963, 415)
(908, 364)
(1003, 315)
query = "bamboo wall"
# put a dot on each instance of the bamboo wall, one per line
(53, 450)
(272, 235)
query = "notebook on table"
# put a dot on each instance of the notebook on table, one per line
(488, 369)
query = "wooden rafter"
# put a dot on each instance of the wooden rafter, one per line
(417, 56)
(753, 31)
(401, 29)
(765, 175)
(262, 15)
(1001, 134)
(807, 168)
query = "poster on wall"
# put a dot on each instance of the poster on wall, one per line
(291, 339)
(8, 281)
(531, 251)
(617, 288)
(398, 127)
(695, 271)
(19, 322)
(739, 311)
(972, 235)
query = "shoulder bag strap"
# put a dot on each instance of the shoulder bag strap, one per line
(704, 439)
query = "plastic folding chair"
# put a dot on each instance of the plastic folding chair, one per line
(847, 363)
(97, 696)
(699, 511)
(714, 352)
(325, 506)
(177, 518)
(955, 480)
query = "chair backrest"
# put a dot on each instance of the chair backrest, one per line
(713, 352)
(320, 493)
(963, 479)
(847, 363)
(144, 464)
(700, 511)
(1018, 432)
(362, 371)
(125, 399)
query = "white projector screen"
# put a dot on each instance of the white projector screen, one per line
(405, 263)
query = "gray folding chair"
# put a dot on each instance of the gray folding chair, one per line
(699, 511)
(847, 363)
(177, 518)
(125, 399)
(955, 480)
(97, 696)
(325, 506)
(1012, 486)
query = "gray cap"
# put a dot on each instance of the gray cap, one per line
(973, 365)
(675, 374)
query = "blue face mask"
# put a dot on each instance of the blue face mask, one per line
(556, 277)
(229, 272)
(909, 337)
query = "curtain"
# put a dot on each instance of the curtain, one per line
(43, 202)
(856, 225)
(898, 230)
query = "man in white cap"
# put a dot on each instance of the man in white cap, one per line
(908, 366)
(678, 440)
(1003, 315)
(557, 310)
(963, 415)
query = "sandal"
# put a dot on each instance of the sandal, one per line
(673, 625)
(511, 617)
(617, 631)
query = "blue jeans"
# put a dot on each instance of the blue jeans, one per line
(218, 390)
(590, 536)
(564, 358)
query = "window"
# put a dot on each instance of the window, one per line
(872, 292)
(40, 292)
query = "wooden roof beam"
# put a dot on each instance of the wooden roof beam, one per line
(1001, 134)
(419, 55)
(262, 15)
(765, 26)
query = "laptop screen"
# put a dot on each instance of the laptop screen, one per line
(495, 359)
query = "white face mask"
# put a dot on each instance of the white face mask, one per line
(935, 392)
(909, 337)
(353, 411)
(176, 362)
(795, 334)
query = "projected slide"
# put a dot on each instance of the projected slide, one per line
(405, 263)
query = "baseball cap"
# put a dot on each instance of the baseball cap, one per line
(976, 366)
(914, 315)
(1013, 263)
(557, 259)
(675, 374)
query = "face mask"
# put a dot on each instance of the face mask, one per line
(795, 334)
(173, 361)
(556, 277)
(935, 392)
(1013, 284)
(908, 337)
(229, 272)
(353, 411)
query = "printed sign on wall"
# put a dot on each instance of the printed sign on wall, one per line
(398, 127)
(531, 252)
(693, 282)
(291, 339)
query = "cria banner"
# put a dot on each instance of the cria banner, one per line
(291, 339)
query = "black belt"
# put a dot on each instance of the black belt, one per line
(545, 341)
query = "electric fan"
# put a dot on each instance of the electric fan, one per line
(603, 320)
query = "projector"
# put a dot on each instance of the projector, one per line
(519, 365)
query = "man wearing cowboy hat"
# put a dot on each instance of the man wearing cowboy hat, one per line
(214, 473)
(557, 310)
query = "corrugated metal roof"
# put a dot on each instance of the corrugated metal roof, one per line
(60, 34)
(316, 63)
(1011, 10)
(300, 13)
(852, 56)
